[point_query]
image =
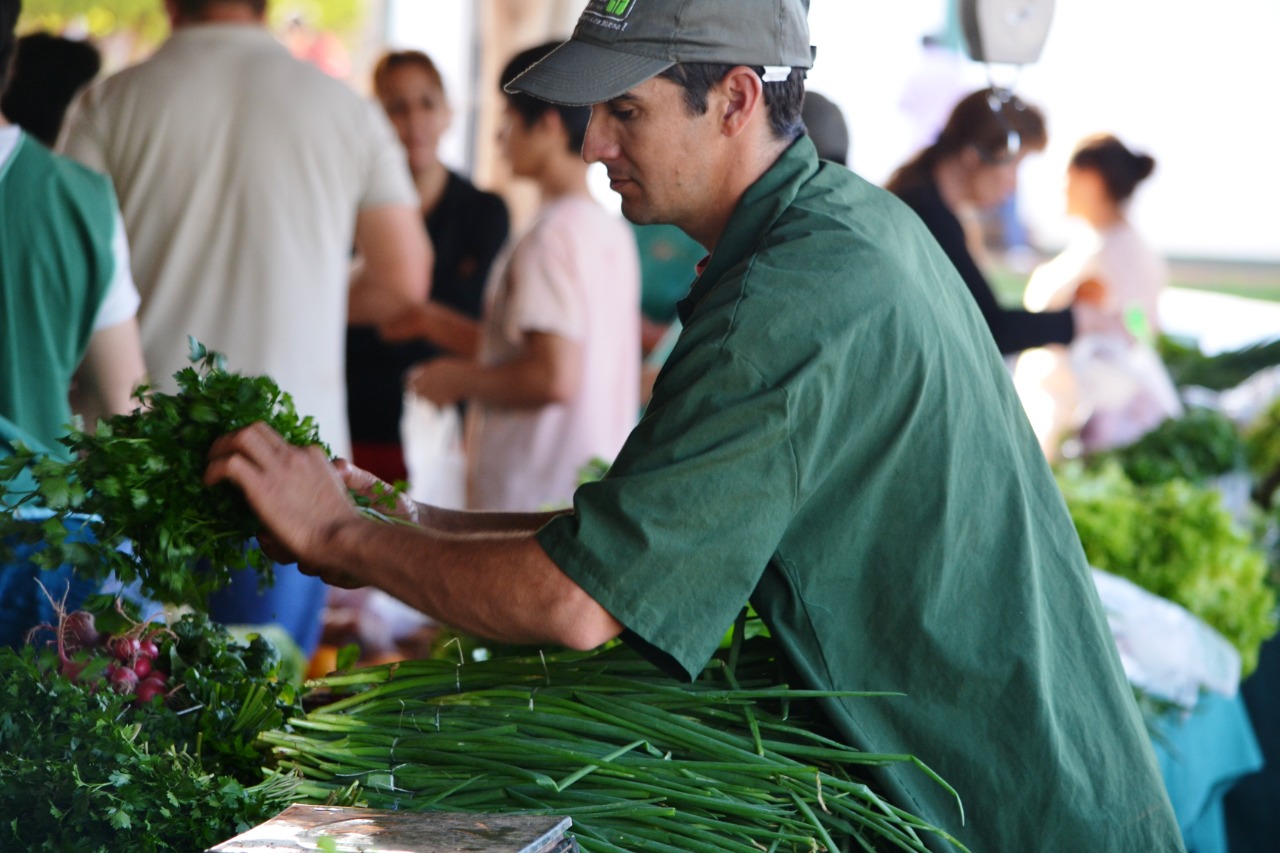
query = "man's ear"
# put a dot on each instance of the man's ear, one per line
(741, 95)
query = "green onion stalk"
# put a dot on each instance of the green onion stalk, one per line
(731, 762)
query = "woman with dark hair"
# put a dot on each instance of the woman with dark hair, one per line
(1107, 264)
(1106, 260)
(467, 227)
(973, 166)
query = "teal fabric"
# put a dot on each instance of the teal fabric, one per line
(10, 436)
(57, 220)
(1202, 756)
(668, 258)
(835, 438)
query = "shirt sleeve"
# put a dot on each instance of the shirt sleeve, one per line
(81, 138)
(546, 282)
(122, 299)
(675, 538)
(389, 181)
(1014, 330)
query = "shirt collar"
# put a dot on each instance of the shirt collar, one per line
(760, 206)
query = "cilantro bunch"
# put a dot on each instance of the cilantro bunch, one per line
(138, 478)
(86, 768)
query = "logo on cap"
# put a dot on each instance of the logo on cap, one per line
(609, 13)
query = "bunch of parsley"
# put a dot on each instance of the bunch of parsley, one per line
(84, 769)
(138, 478)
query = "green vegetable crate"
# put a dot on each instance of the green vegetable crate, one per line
(330, 829)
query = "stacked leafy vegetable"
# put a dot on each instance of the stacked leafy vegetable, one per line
(93, 762)
(138, 477)
(734, 762)
(1177, 540)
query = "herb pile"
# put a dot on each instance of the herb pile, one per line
(733, 762)
(1198, 446)
(138, 477)
(91, 763)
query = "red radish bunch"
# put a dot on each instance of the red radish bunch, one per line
(132, 667)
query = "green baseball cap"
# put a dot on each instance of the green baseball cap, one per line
(618, 44)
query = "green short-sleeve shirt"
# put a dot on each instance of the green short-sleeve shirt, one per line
(835, 438)
(57, 223)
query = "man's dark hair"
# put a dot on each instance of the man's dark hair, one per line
(46, 73)
(9, 10)
(194, 8)
(530, 109)
(784, 98)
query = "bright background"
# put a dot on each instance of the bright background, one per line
(1194, 86)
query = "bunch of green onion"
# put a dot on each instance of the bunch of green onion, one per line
(637, 760)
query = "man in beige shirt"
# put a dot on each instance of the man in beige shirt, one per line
(245, 177)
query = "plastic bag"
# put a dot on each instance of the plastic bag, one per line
(1165, 649)
(1124, 387)
(433, 453)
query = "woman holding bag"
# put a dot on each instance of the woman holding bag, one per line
(467, 227)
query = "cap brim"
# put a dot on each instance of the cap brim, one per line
(578, 73)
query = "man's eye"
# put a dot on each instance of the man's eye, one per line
(621, 113)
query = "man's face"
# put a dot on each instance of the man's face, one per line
(657, 154)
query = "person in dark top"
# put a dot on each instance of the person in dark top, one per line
(467, 227)
(974, 164)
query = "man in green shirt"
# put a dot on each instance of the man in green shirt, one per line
(833, 438)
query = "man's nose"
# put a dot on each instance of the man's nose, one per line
(597, 146)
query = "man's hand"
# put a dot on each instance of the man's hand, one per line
(441, 325)
(443, 381)
(1092, 320)
(363, 483)
(296, 492)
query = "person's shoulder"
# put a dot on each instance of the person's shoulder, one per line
(843, 209)
(578, 212)
(55, 182)
(471, 195)
(78, 178)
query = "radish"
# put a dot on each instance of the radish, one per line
(124, 680)
(149, 688)
(148, 648)
(80, 631)
(142, 666)
(125, 648)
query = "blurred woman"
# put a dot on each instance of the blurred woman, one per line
(467, 227)
(972, 167)
(1106, 261)
(1112, 388)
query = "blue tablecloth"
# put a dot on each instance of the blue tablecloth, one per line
(1202, 755)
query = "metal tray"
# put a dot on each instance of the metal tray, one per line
(355, 830)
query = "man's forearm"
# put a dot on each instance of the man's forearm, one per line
(476, 525)
(499, 585)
